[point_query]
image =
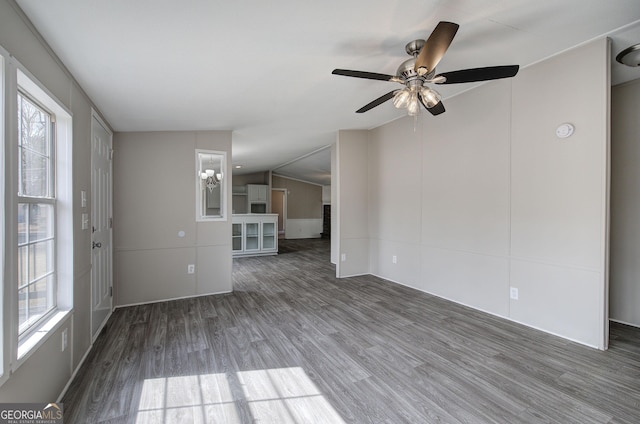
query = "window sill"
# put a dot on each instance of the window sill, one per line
(35, 340)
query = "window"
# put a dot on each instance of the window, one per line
(39, 248)
(210, 185)
(37, 224)
(4, 351)
(36, 214)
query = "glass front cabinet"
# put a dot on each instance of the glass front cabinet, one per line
(237, 241)
(255, 234)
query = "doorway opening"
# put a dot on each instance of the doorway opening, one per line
(279, 206)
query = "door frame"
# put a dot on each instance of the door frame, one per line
(100, 121)
(284, 208)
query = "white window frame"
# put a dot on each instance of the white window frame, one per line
(50, 200)
(200, 189)
(4, 315)
(18, 348)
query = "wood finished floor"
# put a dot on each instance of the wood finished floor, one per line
(293, 344)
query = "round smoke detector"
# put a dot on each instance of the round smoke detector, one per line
(565, 130)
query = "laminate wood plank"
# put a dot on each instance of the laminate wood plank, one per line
(611, 391)
(155, 342)
(124, 391)
(225, 313)
(456, 387)
(98, 372)
(294, 344)
(318, 351)
(285, 354)
(549, 399)
(140, 315)
(398, 375)
(207, 307)
(242, 308)
(368, 391)
(176, 346)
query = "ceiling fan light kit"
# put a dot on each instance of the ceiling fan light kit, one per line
(420, 70)
(430, 97)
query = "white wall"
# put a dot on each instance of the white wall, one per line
(43, 376)
(465, 199)
(335, 243)
(625, 203)
(154, 199)
(559, 194)
(485, 197)
(352, 194)
(395, 181)
(303, 228)
(326, 195)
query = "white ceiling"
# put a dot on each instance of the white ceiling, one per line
(263, 68)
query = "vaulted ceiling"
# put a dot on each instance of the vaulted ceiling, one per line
(263, 68)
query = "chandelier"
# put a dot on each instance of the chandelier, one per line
(210, 178)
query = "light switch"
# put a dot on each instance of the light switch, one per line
(85, 221)
(83, 198)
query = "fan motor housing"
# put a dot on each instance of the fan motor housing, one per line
(407, 70)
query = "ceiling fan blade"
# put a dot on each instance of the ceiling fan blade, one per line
(478, 74)
(435, 47)
(365, 75)
(377, 102)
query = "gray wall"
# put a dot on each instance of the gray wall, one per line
(625, 203)
(304, 200)
(43, 376)
(485, 197)
(254, 178)
(154, 199)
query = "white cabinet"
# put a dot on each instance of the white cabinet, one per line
(237, 238)
(257, 192)
(257, 198)
(254, 234)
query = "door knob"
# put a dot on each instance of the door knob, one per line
(94, 245)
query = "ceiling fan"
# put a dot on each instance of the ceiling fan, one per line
(420, 70)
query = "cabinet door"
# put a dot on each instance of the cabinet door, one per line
(256, 193)
(252, 236)
(269, 235)
(262, 193)
(236, 237)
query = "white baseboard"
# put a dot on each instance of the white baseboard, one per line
(630, 324)
(170, 299)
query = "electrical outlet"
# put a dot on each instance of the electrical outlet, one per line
(343, 257)
(64, 339)
(191, 269)
(514, 293)
(394, 259)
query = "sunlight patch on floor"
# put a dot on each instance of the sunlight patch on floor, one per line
(286, 395)
(280, 395)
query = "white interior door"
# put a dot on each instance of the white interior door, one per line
(101, 263)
